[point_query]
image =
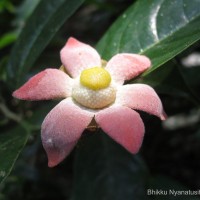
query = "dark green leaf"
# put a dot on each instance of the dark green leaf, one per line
(166, 80)
(39, 115)
(159, 29)
(11, 144)
(42, 25)
(3, 63)
(192, 76)
(13, 141)
(104, 170)
(25, 10)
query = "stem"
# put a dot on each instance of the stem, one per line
(9, 114)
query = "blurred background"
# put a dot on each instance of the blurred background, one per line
(169, 157)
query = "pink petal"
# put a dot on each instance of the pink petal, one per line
(62, 128)
(77, 56)
(48, 84)
(126, 66)
(123, 125)
(141, 97)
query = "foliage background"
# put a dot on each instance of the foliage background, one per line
(31, 36)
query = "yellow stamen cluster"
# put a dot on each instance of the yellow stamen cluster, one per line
(95, 78)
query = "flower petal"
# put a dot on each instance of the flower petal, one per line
(62, 128)
(77, 56)
(123, 125)
(141, 97)
(48, 84)
(126, 66)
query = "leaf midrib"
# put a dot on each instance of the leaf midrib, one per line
(39, 32)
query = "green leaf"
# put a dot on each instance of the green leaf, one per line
(104, 170)
(169, 79)
(39, 115)
(41, 26)
(25, 10)
(3, 63)
(7, 39)
(191, 76)
(13, 141)
(166, 79)
(159, 29)
(11, 144)
(6, 4)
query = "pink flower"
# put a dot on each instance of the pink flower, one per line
(92, 89)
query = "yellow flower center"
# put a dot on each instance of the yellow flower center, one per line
(95, 78)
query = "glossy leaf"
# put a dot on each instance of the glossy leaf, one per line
(104, 170)
(11, 144)
(159, 29)
(42, 25)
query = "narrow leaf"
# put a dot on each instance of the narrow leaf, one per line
(42, 25)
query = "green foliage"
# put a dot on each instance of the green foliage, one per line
(11, 144)
(145, 28)
(6, 5)
(162, 79)
(159, 30)
(13, 141)
(40, 28)
(100, 175)
(7, 39)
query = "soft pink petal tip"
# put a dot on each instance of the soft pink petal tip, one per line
(48, 84)
(123, 125)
